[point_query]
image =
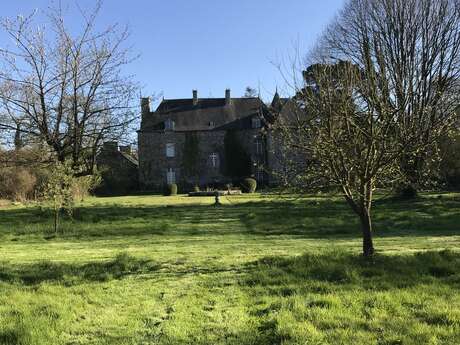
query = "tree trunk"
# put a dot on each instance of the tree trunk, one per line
(56, 220)
(366, 227)
(363, 209)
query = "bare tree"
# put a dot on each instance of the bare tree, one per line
(66, 91)
(415, 45)
(382, 93)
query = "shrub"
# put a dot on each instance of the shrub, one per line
(450, 160)
(249, 185)
(83, 186)
(19, 183)
(16, 183)
(406, 192)
(171, 189)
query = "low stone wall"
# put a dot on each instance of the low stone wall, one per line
(213, 193)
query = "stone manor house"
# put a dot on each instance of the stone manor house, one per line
(185, 141)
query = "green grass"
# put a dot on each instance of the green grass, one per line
(257, 270)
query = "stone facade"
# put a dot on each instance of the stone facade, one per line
(166, 137)
(119, 169)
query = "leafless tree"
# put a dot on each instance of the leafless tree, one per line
(415, 44)
(63, 90)
(381, 93)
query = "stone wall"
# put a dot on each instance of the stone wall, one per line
(154, 164)
(119, 174)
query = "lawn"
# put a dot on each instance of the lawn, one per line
(257, 270)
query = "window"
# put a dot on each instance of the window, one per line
(256, 122)
(169, 125)
(260, 174)
(170, 150)
(211, 123)
(170, 176)
(214, 160)
(258, 146)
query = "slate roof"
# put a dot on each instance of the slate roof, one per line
(110, 150)
(278, 102)
(207, 114)
(130, 158)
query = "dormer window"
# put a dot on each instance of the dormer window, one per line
(256, 123)
(169, 125)
(211, 124)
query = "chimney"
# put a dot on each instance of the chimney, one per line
(145, 106)
(227, 96)
(195, 97)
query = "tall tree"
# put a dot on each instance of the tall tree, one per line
(415, 46)
(237, 160)
(250, 92)
(191, 157)
(382, 93)
(63, 89)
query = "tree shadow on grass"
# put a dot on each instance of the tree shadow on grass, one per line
(70, 274)
(322, 286)
(309, 218)
(342, 270)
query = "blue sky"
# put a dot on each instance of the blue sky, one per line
(208, 45)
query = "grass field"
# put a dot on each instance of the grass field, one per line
(257, 270)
